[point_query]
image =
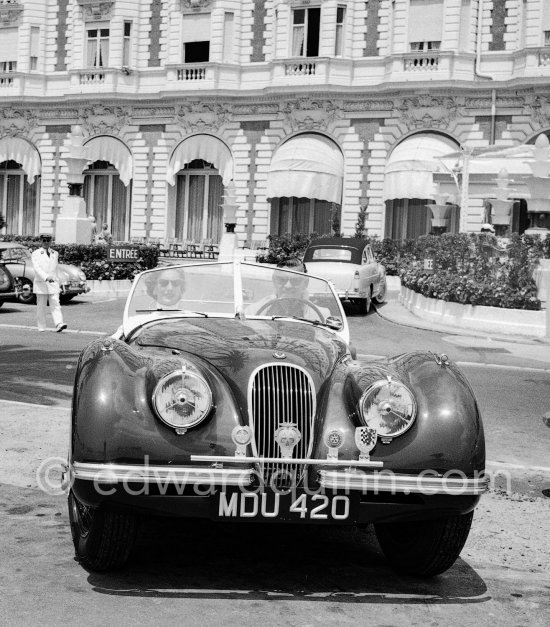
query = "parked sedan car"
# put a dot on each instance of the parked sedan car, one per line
(18, 259)
(9, 286)
(223, 396)
(350, 264)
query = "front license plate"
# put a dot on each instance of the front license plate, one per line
(295, 507)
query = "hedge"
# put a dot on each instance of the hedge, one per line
(92, 258)
(470, 268)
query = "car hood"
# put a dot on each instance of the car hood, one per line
(237, 347)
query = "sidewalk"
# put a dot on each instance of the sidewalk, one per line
(528, 348)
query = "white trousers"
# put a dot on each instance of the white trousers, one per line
(55, 309)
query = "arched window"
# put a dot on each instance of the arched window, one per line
(108, 199)
(199, 190)
(18, 199)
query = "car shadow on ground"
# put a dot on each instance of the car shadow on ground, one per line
(187, 559)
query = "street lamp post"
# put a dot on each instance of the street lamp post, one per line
(501, 205)
(72, 224)
(229, 242)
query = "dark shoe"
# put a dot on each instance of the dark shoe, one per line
(60, 327)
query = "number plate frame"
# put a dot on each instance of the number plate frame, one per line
(297, 506)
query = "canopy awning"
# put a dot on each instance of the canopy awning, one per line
(205, 147)
(24, 153)
(307, 166)
(411, 165)
(105, 148)
(491, 160)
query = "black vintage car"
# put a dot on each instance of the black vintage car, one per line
(230, 392)
(9, 286)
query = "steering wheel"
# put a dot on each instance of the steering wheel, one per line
(297, 301)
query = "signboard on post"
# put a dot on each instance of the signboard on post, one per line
(429, 266)
(123, 254)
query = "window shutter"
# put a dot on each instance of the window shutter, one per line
(8, 44)
(35, 40)
(196, 27)
(426, 20)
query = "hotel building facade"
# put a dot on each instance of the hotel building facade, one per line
(308, 110)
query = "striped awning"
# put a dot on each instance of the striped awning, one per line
(24, 153)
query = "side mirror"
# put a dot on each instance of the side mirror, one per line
(334, 323)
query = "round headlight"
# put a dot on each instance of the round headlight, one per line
(389, 407)
(182, 399)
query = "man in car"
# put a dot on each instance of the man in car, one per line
(290, 297)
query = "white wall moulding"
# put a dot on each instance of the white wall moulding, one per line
(10, 10)
(94, 10)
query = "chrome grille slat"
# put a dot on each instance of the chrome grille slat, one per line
(280, 393)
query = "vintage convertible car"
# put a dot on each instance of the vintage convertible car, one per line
(350, 264)
(223, 397)
(18, 259)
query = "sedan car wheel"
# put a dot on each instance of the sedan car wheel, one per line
(381, 296)
(27, 296)
(102, 540)
(424, 548)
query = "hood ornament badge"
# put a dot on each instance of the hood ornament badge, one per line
(365, 440)
(287, 437)
(279, 355)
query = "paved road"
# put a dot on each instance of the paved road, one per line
(185, 573)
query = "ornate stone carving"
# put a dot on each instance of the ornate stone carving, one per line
(311, 115)
(14, 122)
(428, 111)
(96, 10)
(256, 108)
(153, 113)
(191, 6)
(540, 110)
(358, 106)
(99, 119)
(10, 12)
(197, 116)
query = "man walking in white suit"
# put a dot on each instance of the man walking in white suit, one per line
(46, 284)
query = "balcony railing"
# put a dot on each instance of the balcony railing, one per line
(300, 68)
(191, 73)
(544, 56)
(91, 77)
(6, 80)
(421, 61)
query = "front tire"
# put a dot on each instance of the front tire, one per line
(381, 296)
(102, 540)
(27, 298)
(424, 548)
(65, 298)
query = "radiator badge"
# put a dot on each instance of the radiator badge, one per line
(365, 440)
(287, 437)
(334, 440)
(279, 355)
(241, 436)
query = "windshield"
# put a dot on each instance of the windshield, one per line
(229, 289)
(15, 253)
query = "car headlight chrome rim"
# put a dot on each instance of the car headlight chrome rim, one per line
(182, 399)
(389, 407)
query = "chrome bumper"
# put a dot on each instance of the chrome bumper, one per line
(389, 482)
(177, 475)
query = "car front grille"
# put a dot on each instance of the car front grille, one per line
(281, 393)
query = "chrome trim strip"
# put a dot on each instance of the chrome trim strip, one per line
(387, 481)
(300, 460)
(115, 473)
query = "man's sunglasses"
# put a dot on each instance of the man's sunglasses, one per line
(173, 282)
(295, 281)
